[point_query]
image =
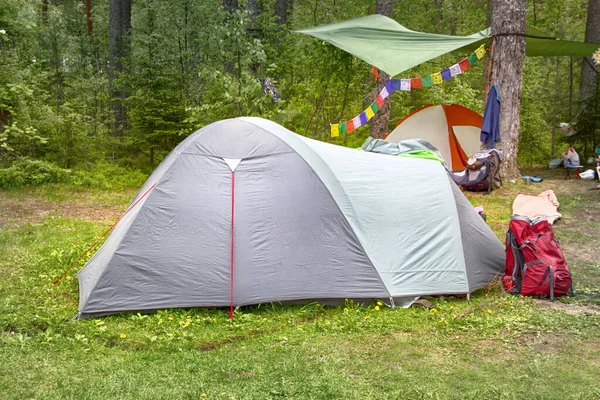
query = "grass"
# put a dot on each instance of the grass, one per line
(494, 346)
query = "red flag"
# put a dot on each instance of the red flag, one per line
(416, 83)
(350, 125)
(464, 64)
(380, 100)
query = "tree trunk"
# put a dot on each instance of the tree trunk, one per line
(380, 122)
(88, 16)
(282, 10)
(592, 34)
(44, 11)
(508, 42)
(119, 22)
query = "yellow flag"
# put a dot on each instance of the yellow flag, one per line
(335, 130)
(480, 52)
(437, 78)
(369, 113)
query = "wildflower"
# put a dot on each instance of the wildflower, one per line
(489, 311)
(43, 276)
(204, 395)
(223, 393)
(68, 277)
(346, 310)
(376, 308)
(367, 316)
(433, 310)
(170, 318)
(2, 32)
(341, 326)
(452, 306)
(123, 336)
(379, 303)
(186, 324)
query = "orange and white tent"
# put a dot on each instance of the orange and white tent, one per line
(453, 129)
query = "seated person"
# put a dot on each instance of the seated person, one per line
(570, 157)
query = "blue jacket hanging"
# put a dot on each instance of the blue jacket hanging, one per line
(490, 128)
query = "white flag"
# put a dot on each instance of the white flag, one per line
(356, 121)
(384, 93)
(404, 84)
(455, 70)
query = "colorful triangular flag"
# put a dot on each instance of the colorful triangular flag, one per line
(356, 121)
(404, 84)
(437, 78)
(427, 81)
(369, 113)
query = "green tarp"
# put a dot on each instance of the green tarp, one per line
(391, 47)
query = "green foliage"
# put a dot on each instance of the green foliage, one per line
(193, 63)
(27, 172)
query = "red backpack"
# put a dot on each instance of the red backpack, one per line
(535, 264)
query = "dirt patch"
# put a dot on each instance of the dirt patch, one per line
(569, 308)
(17, 211)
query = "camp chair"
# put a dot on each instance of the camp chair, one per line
(569, 168)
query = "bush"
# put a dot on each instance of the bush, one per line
(27, 172)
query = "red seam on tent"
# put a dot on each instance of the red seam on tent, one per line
(104, 234)
(232, 248)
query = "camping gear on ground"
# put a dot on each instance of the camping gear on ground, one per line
(450, 128)
(535, 263)
(530, 178)
(544, 204)
(384, 43)
(555, 163)
(483, 170)
(588, 174)
(244, 211)
(490, 127)
(406, 148)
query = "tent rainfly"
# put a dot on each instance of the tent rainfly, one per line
(244, 211)
(391, 47)
(450, 128)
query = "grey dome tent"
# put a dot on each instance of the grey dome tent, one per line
(245, 211)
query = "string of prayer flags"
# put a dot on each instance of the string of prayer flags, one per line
(406, 84)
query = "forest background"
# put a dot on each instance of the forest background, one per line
(79, 92)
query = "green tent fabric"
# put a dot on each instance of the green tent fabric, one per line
(391, 47)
